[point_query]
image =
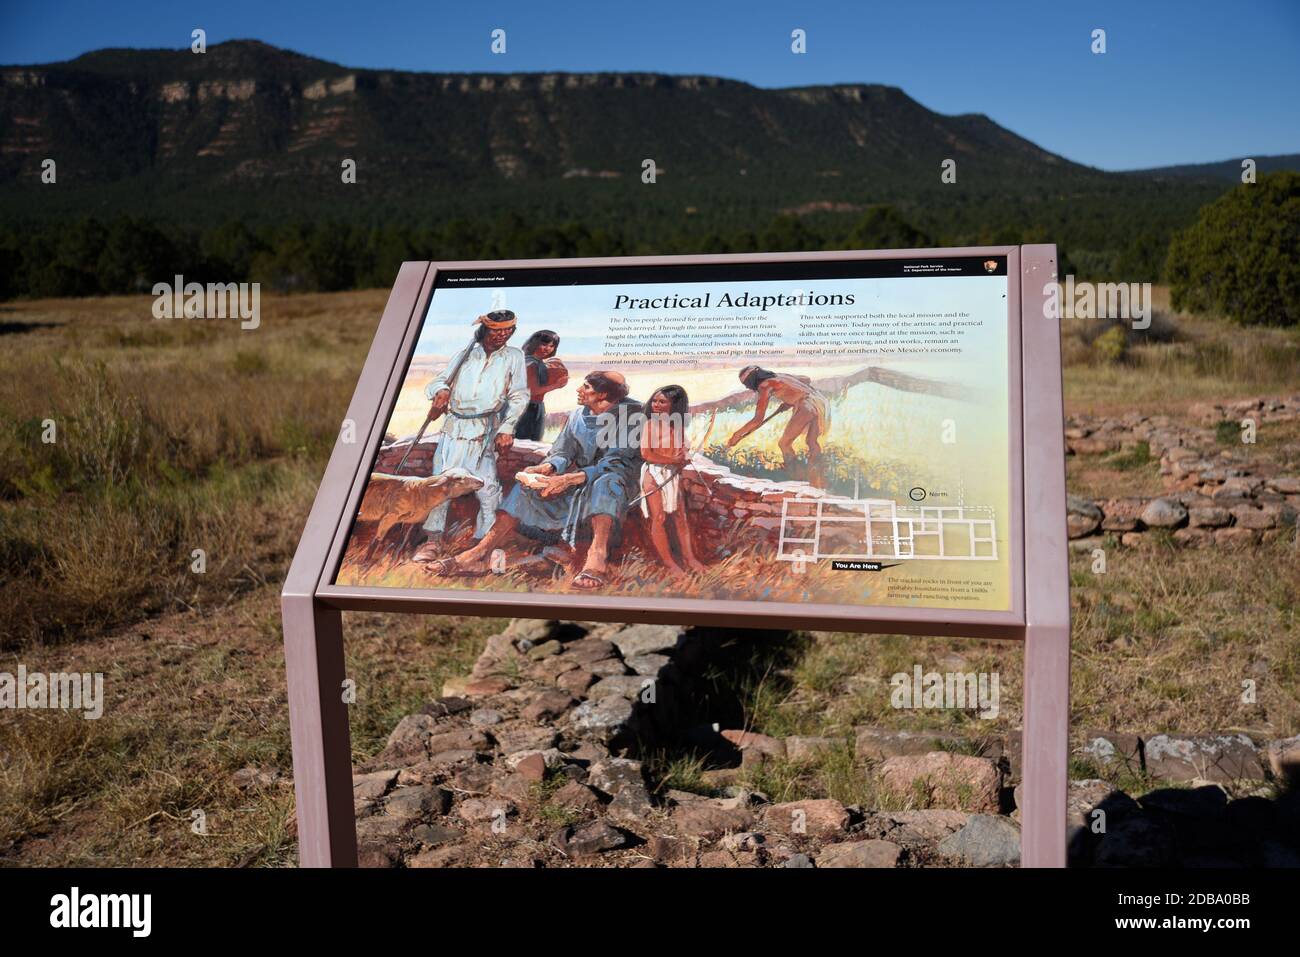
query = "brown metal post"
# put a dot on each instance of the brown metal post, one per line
(318, 727)
(1047, 572)
(313, 630)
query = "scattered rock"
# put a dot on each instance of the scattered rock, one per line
(1163, 513)
(647, 639)
(860, 854)
(628, 686)
(985, 841)
(954, 780)
(576, 681)
(485, 718)
(706, 821)
(479, 810)
(523, 736)
(369, 787)
(608, 717)
(807, 749)
(1083, 517)
(1221, 758)
(1122, 514)
(532, 768)
(1209, 516)
(750, 741)
(877, 744)
(586, 840)
(925, 825)
(818, 818)
(549, 706)
(417, 803)
(435, 835)
(648, 664)
(545, 650)
(576, 797)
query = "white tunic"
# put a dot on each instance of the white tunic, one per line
(485, 382)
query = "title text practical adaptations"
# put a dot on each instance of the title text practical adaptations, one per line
(744, 300)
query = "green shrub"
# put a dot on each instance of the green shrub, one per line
(1239, 259)
(1112, 345)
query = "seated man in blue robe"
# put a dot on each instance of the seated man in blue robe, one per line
(586, 482)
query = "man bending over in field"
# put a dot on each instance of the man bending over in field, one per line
(809, 414)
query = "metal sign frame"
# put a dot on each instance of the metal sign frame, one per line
(1039, 615)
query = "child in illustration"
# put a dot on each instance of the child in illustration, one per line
(663, 449)
(545, 374)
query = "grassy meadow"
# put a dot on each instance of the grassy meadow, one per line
(172, 436)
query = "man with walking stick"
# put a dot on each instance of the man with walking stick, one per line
(482, 393)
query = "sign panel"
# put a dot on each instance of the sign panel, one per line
(835, 432)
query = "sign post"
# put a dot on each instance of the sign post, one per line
(959, 528)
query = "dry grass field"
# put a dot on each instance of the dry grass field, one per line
(180, 435)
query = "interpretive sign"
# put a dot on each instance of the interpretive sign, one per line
(868, 441)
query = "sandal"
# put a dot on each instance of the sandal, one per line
(596, 581)
(451, 568)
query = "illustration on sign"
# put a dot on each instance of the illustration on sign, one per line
(804, 432)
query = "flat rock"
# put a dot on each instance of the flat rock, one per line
(804, 749)
(860, 854)
(607, 716)
(576, 681)
(954, 780)
(417, 803)
(928, 824)
(478, 810)
(1112, 748)
(706, 821)
(819, 817)
(548, 706)
(435, 835)
(751, 741)
(1208, 516)
(648, 664)
(1122, 514)
(647, 639)
(369, 787)
(1222, 758)
(577, 797)
(629, 686)
(524, 736)
(985, 841)
(588, 650)
(1082, 518)
(877, 744)
(611, 775)
(1163, 513)
(486, 717)
(545, 650)
(447, 855)
(586, 840)
(462, 739)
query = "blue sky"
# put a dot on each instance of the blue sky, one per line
(1181, 82)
